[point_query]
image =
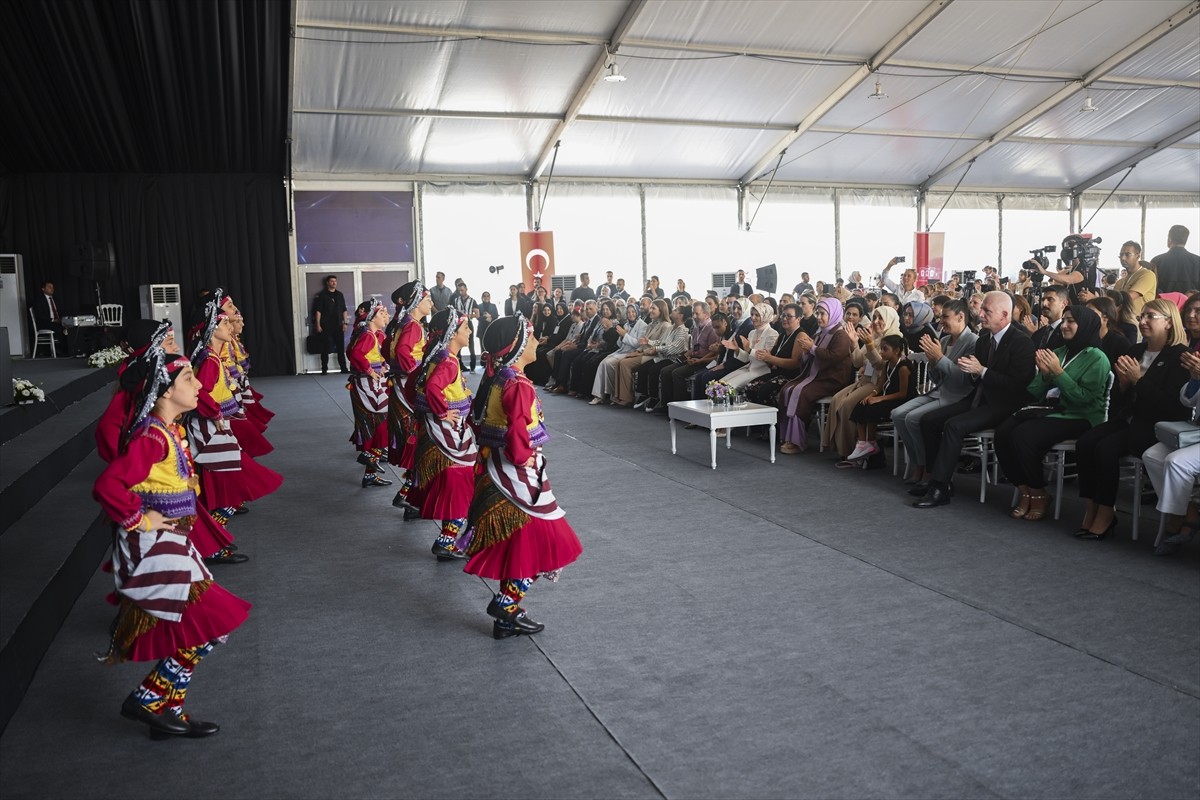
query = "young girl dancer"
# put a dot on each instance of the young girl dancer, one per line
(170, 608)
(516, 530)
(404, 350)
(368, 389)
(229, 476)
(446, 453)
(211, 540)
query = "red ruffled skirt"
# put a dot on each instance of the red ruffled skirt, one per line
(540, 546)
(258, 412)
(207, 535)
(234, 487)
(214, 613)
(448, 495)
(250, 437)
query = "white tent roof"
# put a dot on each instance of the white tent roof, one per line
(716, 89)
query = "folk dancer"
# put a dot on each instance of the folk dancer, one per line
(230, 477)
(446, 451)
(368, 389)
(170, 609)
(404, 348)
(516, 529)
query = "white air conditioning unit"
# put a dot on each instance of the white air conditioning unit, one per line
(162, 301)
(14, 313)
(721, 281)
(564, 282)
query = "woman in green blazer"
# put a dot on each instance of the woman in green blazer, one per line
(1071, 394)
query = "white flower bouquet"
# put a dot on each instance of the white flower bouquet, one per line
(25, 392)
(108, 357)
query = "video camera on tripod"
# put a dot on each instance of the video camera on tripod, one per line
(1039, 259)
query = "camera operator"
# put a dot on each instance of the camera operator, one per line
(1080, 258)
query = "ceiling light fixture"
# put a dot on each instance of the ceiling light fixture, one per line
(1088, 105)
(614, 72)
(878, 93)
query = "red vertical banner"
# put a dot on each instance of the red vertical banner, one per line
(927, 256)
(537, 259)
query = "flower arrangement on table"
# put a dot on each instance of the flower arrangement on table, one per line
(108, 357)
(25, 392)
(718, 391)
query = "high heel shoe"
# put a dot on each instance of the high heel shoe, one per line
(1097, 537)
(1021, 508)
(1034, 514)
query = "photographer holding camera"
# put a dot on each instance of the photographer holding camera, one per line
(1080, 258)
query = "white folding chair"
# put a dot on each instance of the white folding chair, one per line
(41, 337)
(111, 315)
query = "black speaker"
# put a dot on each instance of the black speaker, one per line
(94, 261)
(766, 278)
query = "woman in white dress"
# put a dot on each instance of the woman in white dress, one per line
(762, 337)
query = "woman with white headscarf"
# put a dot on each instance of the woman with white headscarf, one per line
(762, 338)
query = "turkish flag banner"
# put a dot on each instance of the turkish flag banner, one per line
(537, 259)
(927, 256)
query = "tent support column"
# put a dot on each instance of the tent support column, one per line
(837, 234)
(645, 260)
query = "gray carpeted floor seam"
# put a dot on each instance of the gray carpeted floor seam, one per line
(587, 706)
(1021, 624)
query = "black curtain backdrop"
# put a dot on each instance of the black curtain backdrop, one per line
(159, 126)
(199, 231)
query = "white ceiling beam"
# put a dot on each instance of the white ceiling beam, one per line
(1137, 158)
(435, 113)
(549, 37)
(902, 37)
(585, 88)
(1106, 66)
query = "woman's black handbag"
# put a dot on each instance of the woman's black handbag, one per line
(316, 344)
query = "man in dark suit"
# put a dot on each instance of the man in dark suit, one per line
(1002, 367)
(45, 313)
(1178, 270)
(1055, 299)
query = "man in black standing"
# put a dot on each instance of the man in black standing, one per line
(608, 281)
(329, 322)
(583, 291)
(1178, 270)
(464, 304)
(488, 313)
(1001, 368)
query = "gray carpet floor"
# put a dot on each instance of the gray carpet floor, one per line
(759, 631)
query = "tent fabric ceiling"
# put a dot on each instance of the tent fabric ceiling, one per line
(716, 89)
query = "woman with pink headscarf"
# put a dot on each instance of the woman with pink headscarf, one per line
(826, 370)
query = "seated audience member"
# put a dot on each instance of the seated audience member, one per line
(1173, 472)
(1147, 390)
(602, 342)
(714, 304)
(724, 363)
(826, 369)
(783, 361)
(543, 320)
(657, 328)
(761, 338)
(1112, 341)
(916, 320)
(573, 347)
(1023, 314)
(1068, 399)
(663, 352)
(784, 299)
(1190, 313)
(1128, 324)
(808, 323)
(1002, 366)
(45, 313)
(950, 383)
(890, 300)
(566, 331)
(865, 357)
(820, 289)
(629, 330)
(704, 342)
(894, 385)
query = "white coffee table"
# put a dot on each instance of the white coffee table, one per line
(702, 413)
